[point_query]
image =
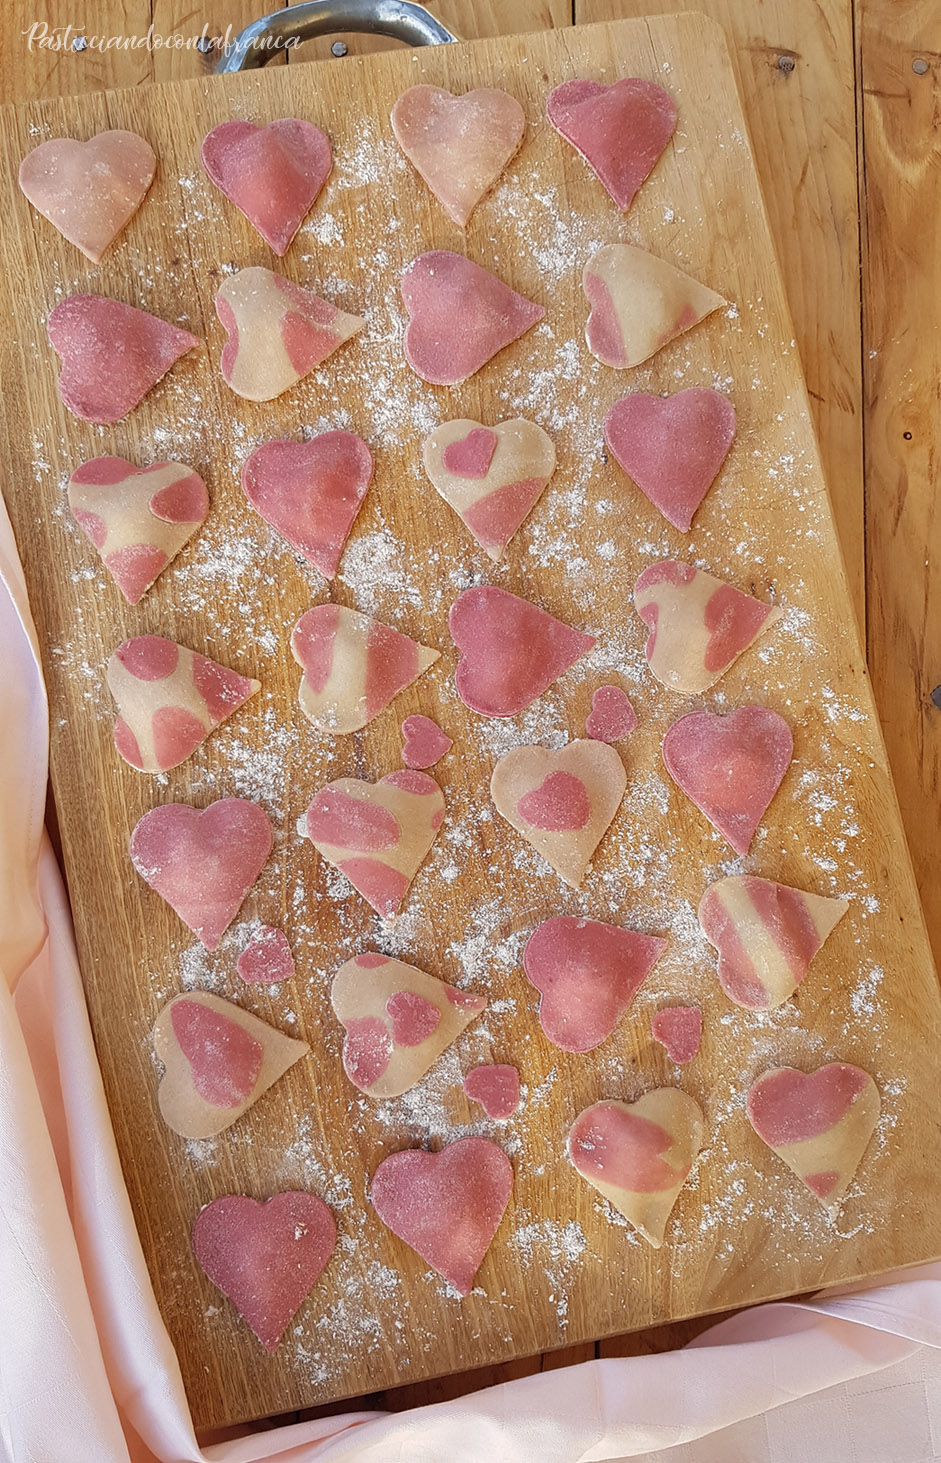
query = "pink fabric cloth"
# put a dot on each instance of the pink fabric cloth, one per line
(87, 1373)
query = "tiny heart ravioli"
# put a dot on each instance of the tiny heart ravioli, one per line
(398, 1020)
(169, 699)
(271, 173)
(730, 765)
(276, 332)
(266, 959)
(639, 303)
(111, 355)
(496, 1088)
(461, 315)
(203, 863)
(353, 666)
(459, 145)
(560, 801)
(699, 626)
(138, 518)
(679, 1031)
(265, 1257)
(612, 716)
(218, 1061)
(491, 476)
(89, 190)
(766, 935)
(377, 834)
(423, 742)
(511, 651)
(310, 492)
(587, 974)
(639, 1154)
(620, 130)
(819, 1123)
(672, 446)
(447, 1206)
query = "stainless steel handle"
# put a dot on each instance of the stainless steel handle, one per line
(266, 38)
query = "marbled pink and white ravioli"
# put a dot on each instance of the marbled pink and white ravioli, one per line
(678, 1029)
(560, 801)
(276, 332)
(699, 626)
(111, 355)
(766, 936)
(89, 190)
(511, 651)
(353, 666)
(491, 476)
(272, 173)
(203, 862)
(673, 447)
(138, 518)
(639, 1154)
(398, 1020)
(612, 716)
(459, 144)
(267, 958)
(447, 1206)
(496, 1088)
(730, 766)
(423, 742)
(819, 1123)
(587, 974)
(218, 1060)
(376, 833)
(310, 492)
(169, 699)
(460, 316)
(620, 129)
(639, 303)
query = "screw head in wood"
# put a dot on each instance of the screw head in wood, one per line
(919, 66)
(786, 63)
(339, 48)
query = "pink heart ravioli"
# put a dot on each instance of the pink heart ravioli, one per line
(111, 355)
(730, 766)
(638, 304)
(459, 145)
(612, 716)
(138, 518)
(587, 974)
(491, 477)
(89, 190)
(679, 1030)
(423, 742)
(461, 315)
(353, 666)
(496, 1088)
(672, 446)
(271, 173)
(310, 492)
(447, 1206)
(266, 1257)
(511, 651)
(620, 130)
(266, 959)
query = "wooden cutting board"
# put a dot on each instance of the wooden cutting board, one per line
(562, 1268)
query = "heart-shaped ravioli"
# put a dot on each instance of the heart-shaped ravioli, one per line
(266, 1257)
(169, 699)
(310, 492)
(272, 173)
(459, 144)
(819, 1123)
(398, 1020)
(89, 190)
(699, 626)
(267, 958)
(111, 355)
(218, 1060)
(203, 863)
(587, 974)
(639, 1154)
(620, 129)
(678, 1029)
(276, 332)
(511, 651)
(377, 834)
(560, 801)
(612, 716)
(138, 518)
(730, 765)
(639, 303)
(491, 476)
(766, 935)
(496, 1088)
(672, 446)
(423, 742)
(461, 315)
(447, 1206)
(353, 666)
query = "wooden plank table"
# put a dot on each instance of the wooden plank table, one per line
(841, 115)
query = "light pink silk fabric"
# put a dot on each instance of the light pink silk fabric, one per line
(87, 1373)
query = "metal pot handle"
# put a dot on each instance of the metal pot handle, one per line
(403, 20)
